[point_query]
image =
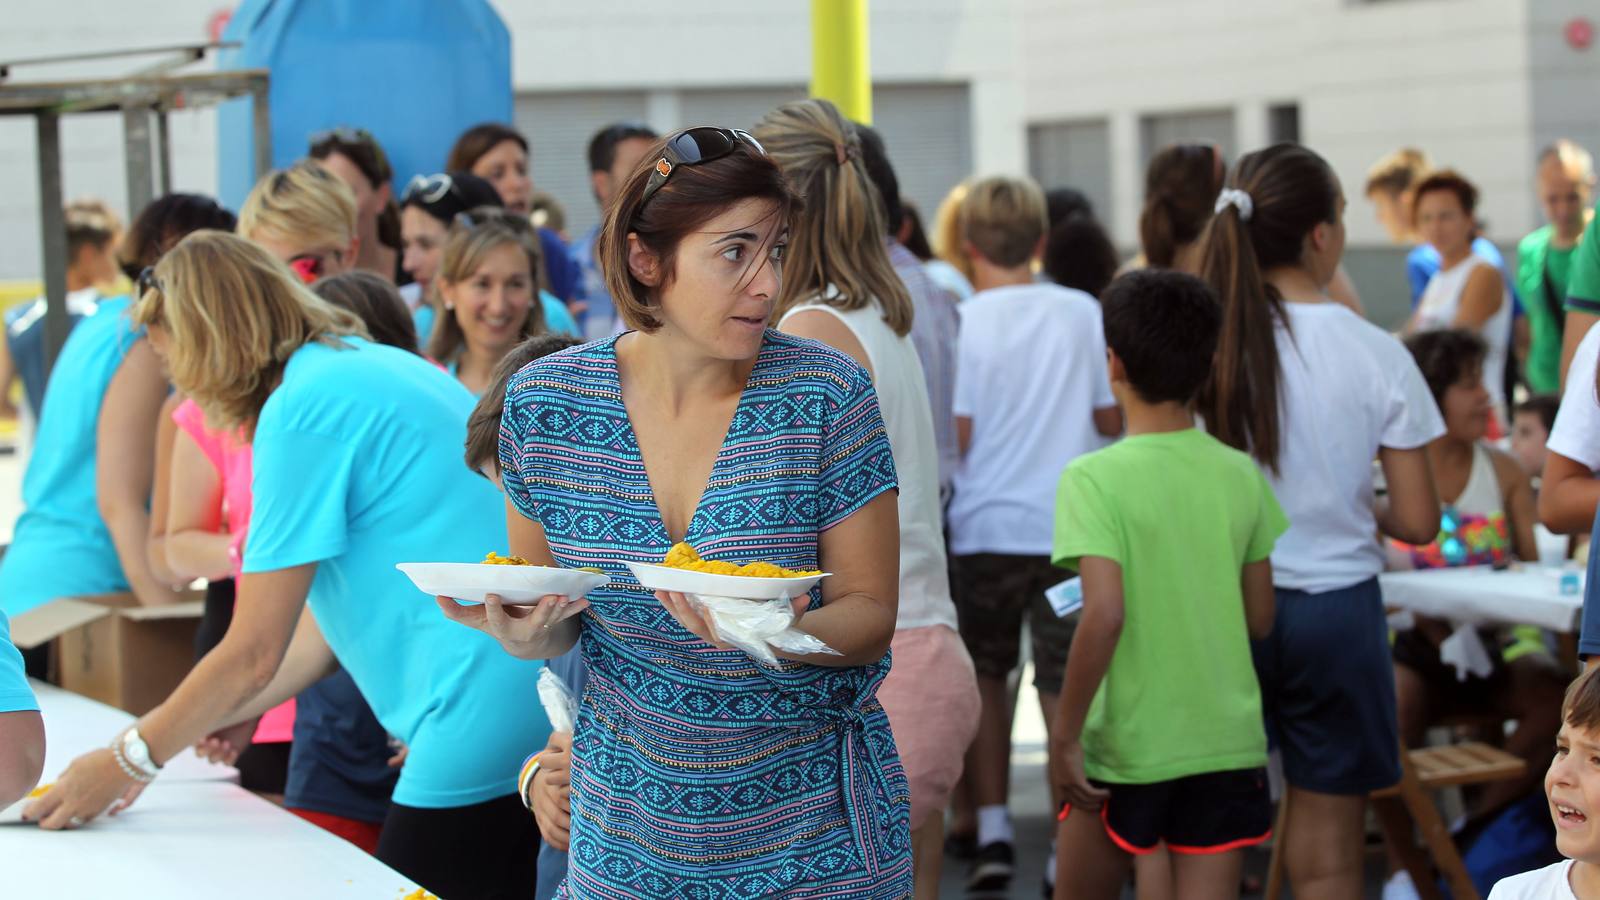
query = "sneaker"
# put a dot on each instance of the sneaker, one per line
(961, 846)
(992, 867)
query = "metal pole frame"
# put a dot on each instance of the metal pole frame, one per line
(53, 236)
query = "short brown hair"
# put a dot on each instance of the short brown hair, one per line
(375, 302)
(163, 223)
(1396, 172)
(1004, 217)
(483, 426)
(1446, 180)
(90, 223)
(693, 196)
(1580, 708)
(479, 140)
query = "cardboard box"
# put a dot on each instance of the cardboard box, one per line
(111, 649)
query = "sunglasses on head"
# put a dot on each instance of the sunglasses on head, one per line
(428, 189)
(692, 147)
(470, 220)
(344, 135)
(148, 281)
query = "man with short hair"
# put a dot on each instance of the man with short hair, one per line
(614, 152)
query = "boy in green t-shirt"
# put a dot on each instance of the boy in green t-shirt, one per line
(1159, 736)
(1544, 258)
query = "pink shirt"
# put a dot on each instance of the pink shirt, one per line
(230, 455)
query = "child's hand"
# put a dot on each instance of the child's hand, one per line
(552, 791)
(1067, 773)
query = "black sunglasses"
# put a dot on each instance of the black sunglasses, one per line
(428, 189)
(148, 281)
(344, 135)
(692, 147)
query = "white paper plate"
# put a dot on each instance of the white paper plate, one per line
(687, 581)
(516, 585)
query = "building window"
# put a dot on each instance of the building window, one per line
(1075, 155)
(1197, 127)
(1283, 123)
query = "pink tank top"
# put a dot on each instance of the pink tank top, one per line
(230, 455)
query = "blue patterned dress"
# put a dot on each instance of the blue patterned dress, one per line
(697, 772)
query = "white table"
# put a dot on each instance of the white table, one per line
(1478, 595)
(192, 834)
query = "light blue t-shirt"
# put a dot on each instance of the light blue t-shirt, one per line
(15, 694)
(61, 547)
(557, 318)
(357, 458)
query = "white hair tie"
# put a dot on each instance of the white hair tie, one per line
(1238, 200)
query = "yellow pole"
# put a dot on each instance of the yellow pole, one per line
(841, 69)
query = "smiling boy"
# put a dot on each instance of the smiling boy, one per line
(1573, 788)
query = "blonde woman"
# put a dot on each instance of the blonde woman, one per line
(332, 417)
(487, 288)
(840, 288)
(951, 267)
(305, 216)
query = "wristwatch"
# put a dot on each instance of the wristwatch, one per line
(133, 755)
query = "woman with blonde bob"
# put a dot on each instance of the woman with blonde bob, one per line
(333, 417)
(840, 288)
(488, 291)
(305, 216)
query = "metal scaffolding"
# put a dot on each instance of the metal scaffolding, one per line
(148, 93)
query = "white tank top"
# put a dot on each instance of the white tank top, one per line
(1481, 496)
(908, 418)
(1440, 301)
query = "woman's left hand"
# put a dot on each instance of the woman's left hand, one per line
(92, 784)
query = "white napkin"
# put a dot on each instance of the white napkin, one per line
(759, 626)
(1464, 649)
(559, 705)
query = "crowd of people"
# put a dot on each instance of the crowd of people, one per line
(761, 352)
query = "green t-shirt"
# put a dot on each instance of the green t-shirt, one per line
(1181, 513)
(1535, 256)
(1583, 285)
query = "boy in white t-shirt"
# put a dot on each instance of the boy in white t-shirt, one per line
(1573, 788)
(1031, 395)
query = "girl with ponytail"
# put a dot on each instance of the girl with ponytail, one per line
(1314, 392)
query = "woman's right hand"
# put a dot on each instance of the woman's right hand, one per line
(526, 632)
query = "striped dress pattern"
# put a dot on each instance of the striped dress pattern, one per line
(697, 772)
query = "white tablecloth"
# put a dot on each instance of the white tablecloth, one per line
(1481, 596)
(192, 834)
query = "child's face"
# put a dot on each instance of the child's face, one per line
(1528, 439)
(1572, 787)
(1465, 405)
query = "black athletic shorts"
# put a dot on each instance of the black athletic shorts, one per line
(1211, 813)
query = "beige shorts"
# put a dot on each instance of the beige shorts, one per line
(931, 697)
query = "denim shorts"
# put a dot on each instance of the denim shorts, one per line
(1327, 690)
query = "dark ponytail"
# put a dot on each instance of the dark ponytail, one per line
(1180, 186)
(1290, 191)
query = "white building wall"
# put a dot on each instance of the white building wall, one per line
(1450, 76)
(91, 145)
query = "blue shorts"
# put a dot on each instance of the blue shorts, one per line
(1327, 690)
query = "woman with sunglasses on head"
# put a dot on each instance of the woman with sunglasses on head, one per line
(87, 487)
(332, 419)
(499, 154)
(355, 156)
(841, 289)
(703, 426)
(431, 205)
(488, 297)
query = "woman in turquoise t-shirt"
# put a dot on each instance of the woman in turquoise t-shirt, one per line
(85, 523)
(356, 457)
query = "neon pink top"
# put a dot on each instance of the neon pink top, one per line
(230, 455)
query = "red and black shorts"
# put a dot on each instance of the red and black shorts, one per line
(1211, 813)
